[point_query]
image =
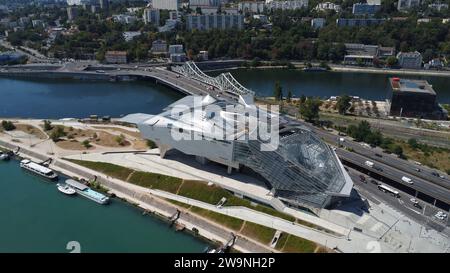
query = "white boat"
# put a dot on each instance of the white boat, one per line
(38, 169)
(66, 189)
(87, 192)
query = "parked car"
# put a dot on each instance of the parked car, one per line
(379, 155)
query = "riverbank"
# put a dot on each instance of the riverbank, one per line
(152, 204)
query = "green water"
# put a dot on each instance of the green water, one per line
(36, 217)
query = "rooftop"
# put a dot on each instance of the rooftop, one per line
(407, 85)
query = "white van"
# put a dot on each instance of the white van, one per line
(407, 180)
(369, 163)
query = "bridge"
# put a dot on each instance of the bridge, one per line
(225, 82)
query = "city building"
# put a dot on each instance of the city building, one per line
(328, 6)
(78, 2)
(214, 21)
(166, 4)
(194, 4)
(124, 18)
(116, 57)
(365, 9)
(360, 54)
(252, 7)
(169, 25)
(130, 35)
(261, 17)
(301, 171)
(358, 22)
(159, 47)
(384, 52)
(178, 57)
(38, 23)
(438, 6)
(286, 5)
(151, 16)
(404, 5)
(413, 98)
(411, 60)
(72, 13)
(175, 49)
(317, 23)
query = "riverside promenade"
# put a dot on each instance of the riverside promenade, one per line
(151, 203)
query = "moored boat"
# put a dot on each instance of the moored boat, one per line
(38, 169)
(66, 189)
(87, 192)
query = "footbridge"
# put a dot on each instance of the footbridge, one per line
(225, 82)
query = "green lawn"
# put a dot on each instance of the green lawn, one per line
(260, 233)
(296, 244)
(113, 170)
(156, 181)
(227, 221)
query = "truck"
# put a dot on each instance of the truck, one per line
(369, 163)
(407, 180)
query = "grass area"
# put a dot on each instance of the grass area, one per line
(209, 194)
(227, 221)
(260, 233)
(294, 244)
(201, 191)
(180, 204)
(112, 170)
(434, 157)
(155, 181)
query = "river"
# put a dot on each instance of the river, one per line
(36, 217)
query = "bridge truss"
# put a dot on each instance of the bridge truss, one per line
(224, 82)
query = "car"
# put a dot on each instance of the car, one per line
(414, 200)
(379, 155)
(373, 181)
(362, 178)
(378, 168)
(407, 180)
(417, 163)
(417, 170)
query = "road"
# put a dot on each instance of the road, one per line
(423, 214)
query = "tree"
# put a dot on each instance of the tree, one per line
(302, 99)
(412, 142)
(343, 104)
(278, 91)
(289, 96)
(57, 133)
(310, 109)
(86, 144)
(391, 61)
(47, 125)
(8, 125)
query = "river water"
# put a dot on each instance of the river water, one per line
(36, 217)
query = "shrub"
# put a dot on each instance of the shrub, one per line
(8, 125)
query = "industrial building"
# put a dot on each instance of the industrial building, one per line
(413, 98)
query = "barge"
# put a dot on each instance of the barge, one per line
(38, 169)
(87, 192)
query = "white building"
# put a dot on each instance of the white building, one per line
(287, 5)
(404, 5)
(166, 4)
(151, 16)
(159, 47)
(175, 49)
(124, 18)
(252, 7)
(411, 60)
(130, 35)
(328, 6)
